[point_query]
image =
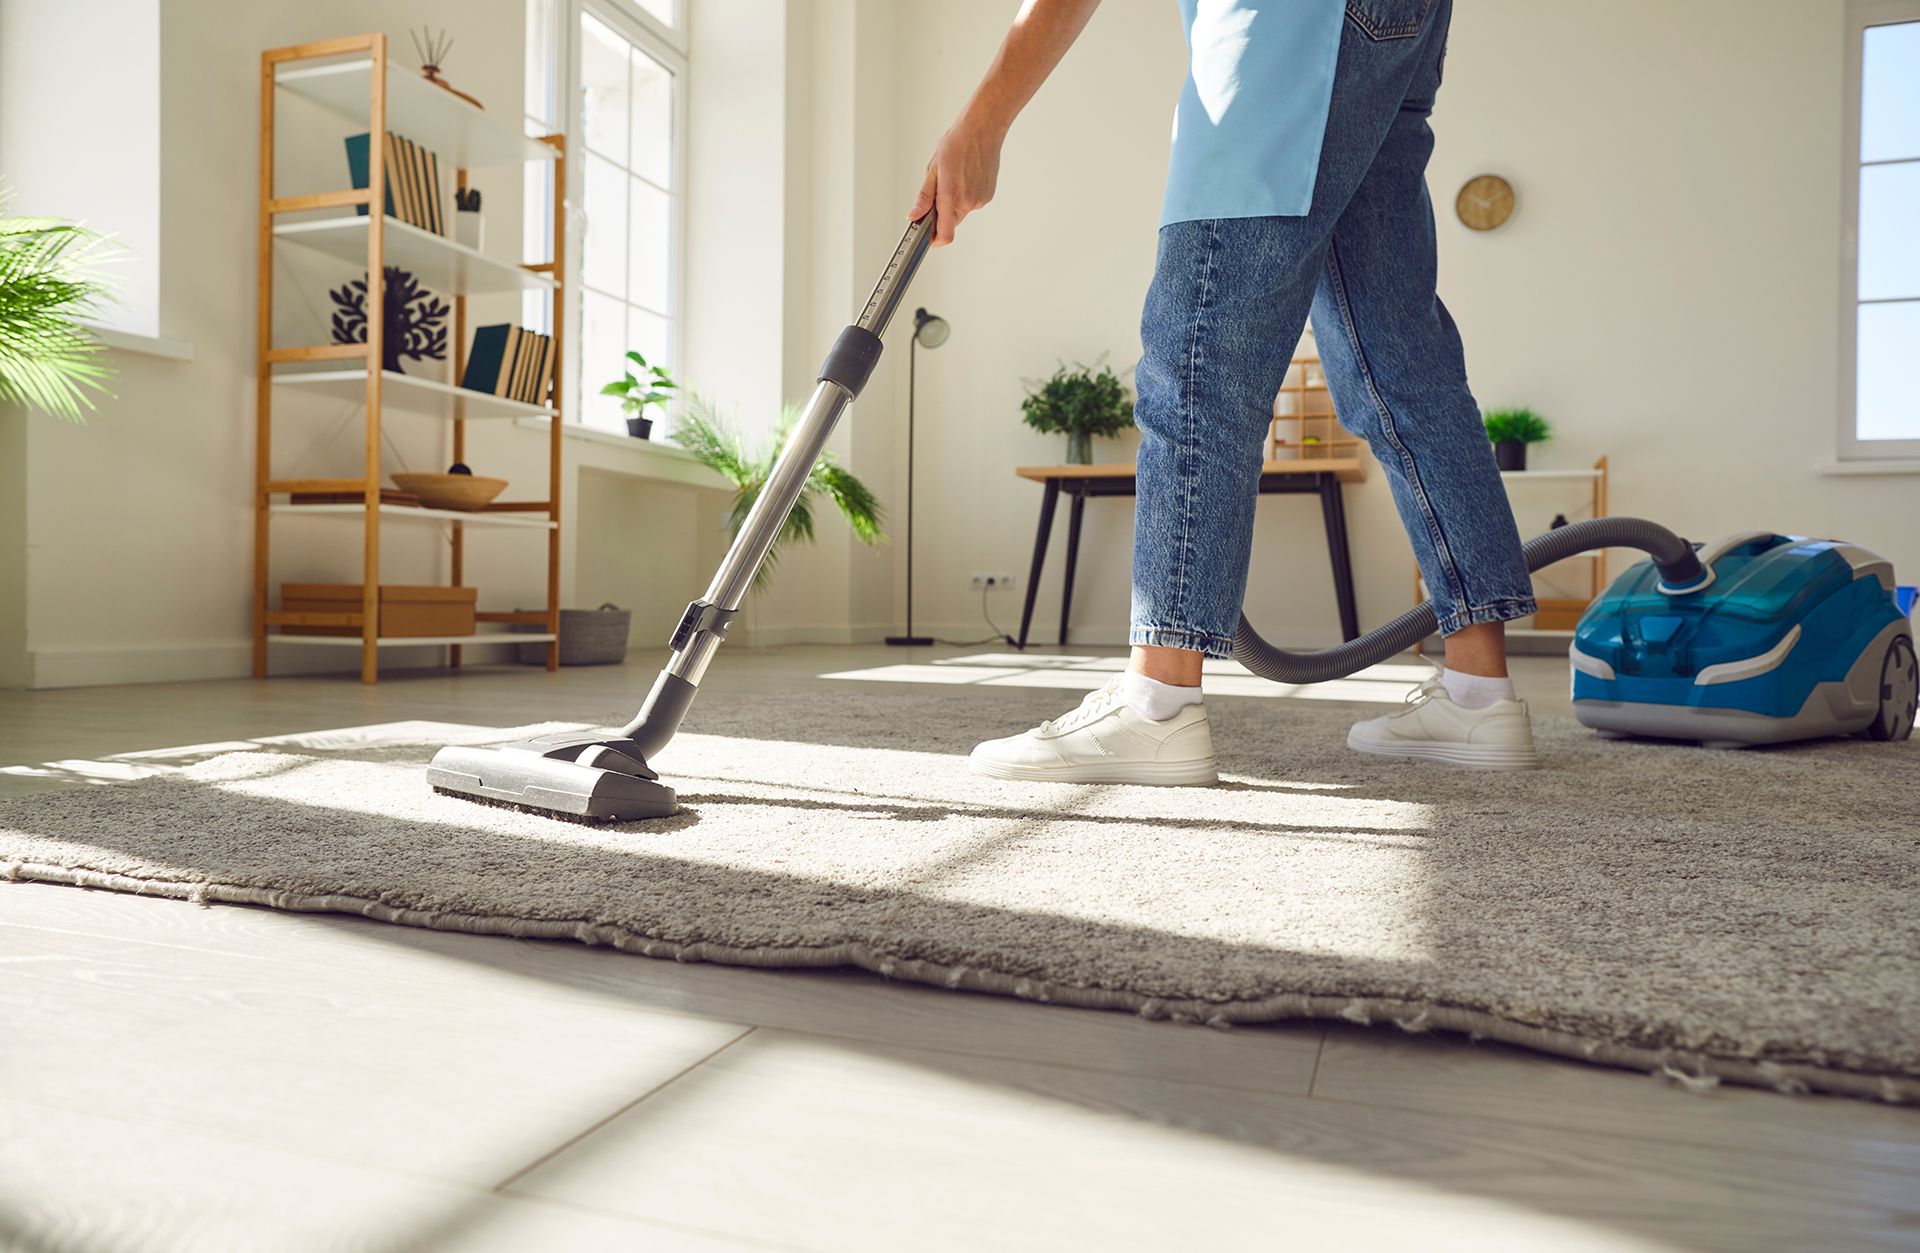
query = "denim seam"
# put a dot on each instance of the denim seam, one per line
(1494, 611)
(1379, 32)
(1188, 456)
(1441, 548)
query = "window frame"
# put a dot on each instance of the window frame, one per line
(667, 45)
(1861, 15)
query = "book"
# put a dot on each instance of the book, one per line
(544, 382)
(395, 152)
(358, 159)
(424, 181)
(436, 221)
(523, 365)
(486, 359)
(510, 360)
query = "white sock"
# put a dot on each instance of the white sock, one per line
(1476, 691)
(1154, 700)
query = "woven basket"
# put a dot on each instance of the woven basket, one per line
(588, 637)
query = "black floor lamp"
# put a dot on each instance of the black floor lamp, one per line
(929, 331)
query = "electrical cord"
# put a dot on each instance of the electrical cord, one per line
(999, 636)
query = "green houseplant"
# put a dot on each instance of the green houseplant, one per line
(721, 449)
(652, 386)
(1081, 402)
(48, 285)
(1511, 430)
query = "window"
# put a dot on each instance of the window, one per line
(1880, 359)
(628, 73)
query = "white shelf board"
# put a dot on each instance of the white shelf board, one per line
(430, 116)
(419, 513)
(410, 392)
(439, 262)
(1549, 474)
(404, 641)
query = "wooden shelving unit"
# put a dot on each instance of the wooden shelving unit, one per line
(1304, 427)
(354, 79)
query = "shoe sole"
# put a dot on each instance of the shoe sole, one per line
(1476, 756)
(1150, 773)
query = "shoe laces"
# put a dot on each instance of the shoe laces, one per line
(1430, 687)
(1093, 705)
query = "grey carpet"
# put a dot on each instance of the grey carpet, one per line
(1744, 916)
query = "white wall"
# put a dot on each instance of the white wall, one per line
(1665, 292)
(88, 154)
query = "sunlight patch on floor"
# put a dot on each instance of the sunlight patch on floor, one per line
(1385, 684)
(146, 762)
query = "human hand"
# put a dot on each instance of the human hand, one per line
(961, 174)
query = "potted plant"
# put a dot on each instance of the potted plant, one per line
(652, 386)
(722, 450)
(1081, 402)
(1511, 430)
(47, 286)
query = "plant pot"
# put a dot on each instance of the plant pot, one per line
(1079, 448)
(640, 428)
(1510, 454)
(469, 229)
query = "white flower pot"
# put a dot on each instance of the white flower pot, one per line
(467, 229)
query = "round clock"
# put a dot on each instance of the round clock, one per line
(1485, 202)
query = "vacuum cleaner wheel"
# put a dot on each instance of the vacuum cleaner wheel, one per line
(1899, 692)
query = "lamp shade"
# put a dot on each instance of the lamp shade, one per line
(930, 330)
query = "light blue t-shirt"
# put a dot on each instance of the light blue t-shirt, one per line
(1248, 128)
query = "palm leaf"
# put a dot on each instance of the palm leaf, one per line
(717, 446)
(48, 283)
(857, 502)
(701, 432)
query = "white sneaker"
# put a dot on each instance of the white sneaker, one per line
(1106, 741)
(1498, 737)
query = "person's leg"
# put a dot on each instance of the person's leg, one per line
(1227, 304)
(1398, 373)
(1397, 370)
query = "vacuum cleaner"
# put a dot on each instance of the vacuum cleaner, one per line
(1754, 640)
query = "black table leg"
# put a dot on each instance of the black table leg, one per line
(1073, 560)
(1040, 538)
(1334, 510)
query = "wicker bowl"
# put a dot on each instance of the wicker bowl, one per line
(468, 492)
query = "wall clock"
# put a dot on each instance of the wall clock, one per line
(1485, 202)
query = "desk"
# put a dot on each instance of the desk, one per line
(1320, 475)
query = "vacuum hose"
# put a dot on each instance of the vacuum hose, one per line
(1679, 565)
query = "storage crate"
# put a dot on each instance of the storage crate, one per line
(588, 637)
(404, 611)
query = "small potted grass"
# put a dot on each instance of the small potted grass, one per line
(1510, 431)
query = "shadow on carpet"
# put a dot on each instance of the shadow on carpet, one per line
(1736, 916)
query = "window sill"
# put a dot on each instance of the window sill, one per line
(1848, 469)
(151, 345)
(605, 452)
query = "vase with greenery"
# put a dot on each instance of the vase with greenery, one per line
(1511, 430)
(1082, 402)
(721, 449)
(49, 285)
(652, 386)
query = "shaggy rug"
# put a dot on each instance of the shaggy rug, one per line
(1747, 916)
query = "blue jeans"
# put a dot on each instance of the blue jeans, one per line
(1229, 299)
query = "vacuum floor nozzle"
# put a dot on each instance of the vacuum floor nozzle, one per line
(583, 781)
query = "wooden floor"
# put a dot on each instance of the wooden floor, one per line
(173, 1077)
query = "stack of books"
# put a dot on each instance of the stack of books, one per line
(510, 361)
(413, 180)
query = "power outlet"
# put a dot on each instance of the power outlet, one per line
(991, 582)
